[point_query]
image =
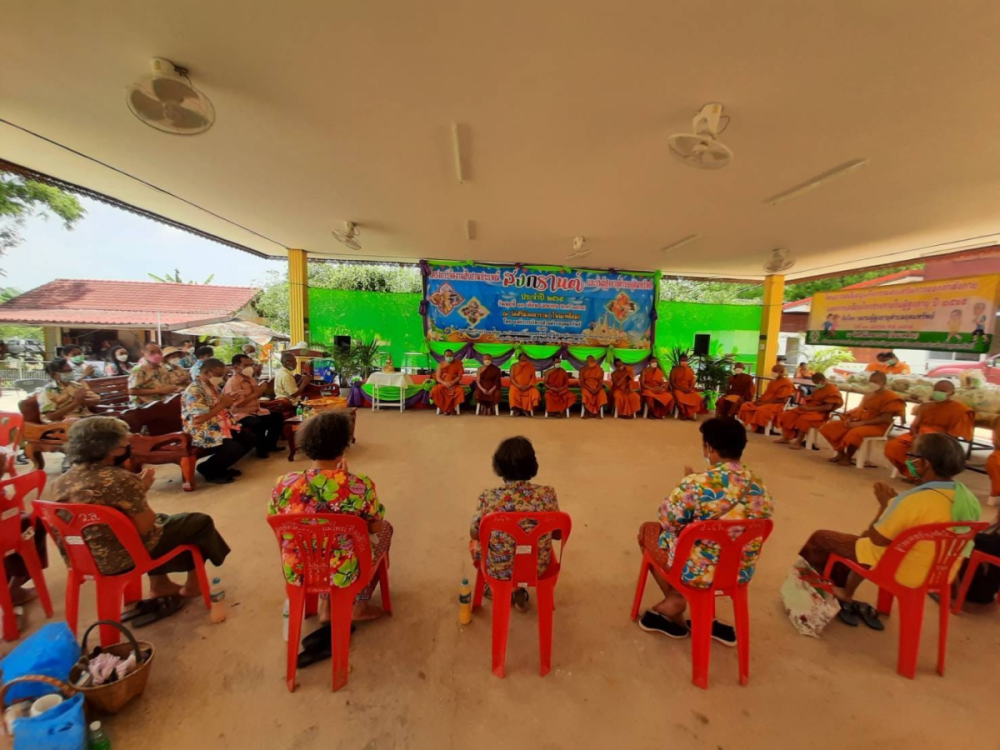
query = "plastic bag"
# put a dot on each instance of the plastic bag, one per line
(808, 607)
(52, 651)
(62, 727)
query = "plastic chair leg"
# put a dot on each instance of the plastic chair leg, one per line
(10, 631)
(884, 605)
(188, 465)
(383, 584)
(501, 623)
(742, 611)
(30, 556)
(133, 590)
(640, 587)
(546, 606)
(72, 599)
(963, 589)
(702, 614)
(911, 620)
(945, 605)
(203, 584)
(477, 597)
(340, 635)
(109, 607)
(296, 605)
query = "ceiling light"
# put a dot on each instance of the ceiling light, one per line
(815, 182)
(682, 243)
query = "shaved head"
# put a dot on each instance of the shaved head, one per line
(878, 377)
(945, 386)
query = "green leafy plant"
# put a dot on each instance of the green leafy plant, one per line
(673, 354)
(360, 360)
(175, 278)
(713, 372)
(826, 358)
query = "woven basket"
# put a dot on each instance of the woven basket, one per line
(67, 690)
(113, 696)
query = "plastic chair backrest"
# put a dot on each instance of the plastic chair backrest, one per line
(10, 423)
(525, 567)
(731, 548)
(13, 493)
(317, 537)
(29, 410)
(70, 519)
(948, 543)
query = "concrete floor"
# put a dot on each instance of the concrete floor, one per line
(419, 680)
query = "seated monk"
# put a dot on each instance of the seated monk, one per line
(487, 388)
(682, 382)
(993, 466)
(524, 395)
(940, 414)
(872, 418)
(756, 415)
(558, 397)
(655, 391)
(739, 390)
(626, 400)
(796, 423)
(592, 388)
(448, 394)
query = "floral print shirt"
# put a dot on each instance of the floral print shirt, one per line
(144, 375)
(323, 491)
(54, 396)
(513, 497)
(197, 400)
(177, 375)
(727, 491)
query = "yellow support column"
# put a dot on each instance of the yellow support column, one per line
(770, 323)
(53, 339)
(298, 295)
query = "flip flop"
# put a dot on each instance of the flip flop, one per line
(163, 606)
(848, 614)
(868, 615)
(141, 607)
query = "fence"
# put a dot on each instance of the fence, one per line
(9, 373)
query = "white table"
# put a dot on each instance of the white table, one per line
(398, 380)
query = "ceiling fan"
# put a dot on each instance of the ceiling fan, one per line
(699, 148)
(348, 237)
(166, 100)
(781, 260)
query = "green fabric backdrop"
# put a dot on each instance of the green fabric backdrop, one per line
(732, 327)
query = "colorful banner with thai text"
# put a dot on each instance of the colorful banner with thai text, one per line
(955, 315)
(481, 303)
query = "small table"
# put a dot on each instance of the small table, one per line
(398, 380)
(292, 425)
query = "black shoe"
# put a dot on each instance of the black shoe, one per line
(225, 479)
(654, 622)
(724, 634)
(519, 598)
(234, 472)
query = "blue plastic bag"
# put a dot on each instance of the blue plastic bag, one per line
(52, 651)
(60, 728)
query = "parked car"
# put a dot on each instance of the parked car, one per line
(989, 367)
(25, 348)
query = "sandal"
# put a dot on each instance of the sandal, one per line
(869, 616)
(141, 607)
(848, 614)
(161, 607)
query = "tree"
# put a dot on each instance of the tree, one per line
(20, 198)
(707, 292)
(176, 278)
(809, 288)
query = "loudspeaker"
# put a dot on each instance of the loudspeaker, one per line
(342, 342)
(702, 341)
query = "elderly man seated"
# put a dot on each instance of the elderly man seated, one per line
(285, 384)
(246, 410)
(150, 380)
(65, 397)
(176, 374)
(206, 418)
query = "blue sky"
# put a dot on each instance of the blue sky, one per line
(109, 243)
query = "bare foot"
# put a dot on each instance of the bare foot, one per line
(23, 596)
(836, 459)
(164, 589)
(797, 446)
(365, 612)
(841, 594)
(186, 590)
(845, 461)
(782, 441)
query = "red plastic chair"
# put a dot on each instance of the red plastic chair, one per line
(13, 492)
(725, 582)
(10, 437)
(948, 545)
(316, 537)
(112, 590)
(524, 572)
(975, 560)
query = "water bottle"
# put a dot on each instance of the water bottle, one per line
(98, 738)
(284, 621)
(464, 603)
(298, 411)
(218, 593)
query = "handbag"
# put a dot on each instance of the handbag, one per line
(62, 727)
(807, 599)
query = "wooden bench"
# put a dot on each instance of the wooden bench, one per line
(158, 438)
(113, 393)
(40, 438)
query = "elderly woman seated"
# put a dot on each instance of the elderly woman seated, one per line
(935, 460)
(65, 397)
(97, 448)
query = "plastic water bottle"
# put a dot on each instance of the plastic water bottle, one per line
(299, 410)
(284, 621)
(464, 603)
(98, 738)
(218, 593)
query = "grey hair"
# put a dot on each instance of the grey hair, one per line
(942, 452)
(92, 439)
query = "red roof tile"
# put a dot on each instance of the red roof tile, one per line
(126, 303)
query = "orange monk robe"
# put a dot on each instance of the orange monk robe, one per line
(900, 368)
(759, 415)
(523, 374)
(873, 405)
(592, 378)
(798, 420)
(444, 398)
(993, 470)
(682, 382)
(489, 378)
(655, 392)
(626, 400)
(951, 417)
(557, 379)
(740, 389)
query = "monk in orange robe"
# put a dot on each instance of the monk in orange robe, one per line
(558, 396)
(626, 400)
(487, 388)
(888, 363)
(756, 415)
(592, 388)
(524, 395)
(682, 382)
(739, 390)
(872, 418)
(796, 423)
(655, 390)
(448, 394)
(941, 414)
(993, 466)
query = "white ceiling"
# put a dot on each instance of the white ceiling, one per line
(341, 110)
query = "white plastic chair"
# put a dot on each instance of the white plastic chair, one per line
(583, 410)
(496, 409)
(864, 452)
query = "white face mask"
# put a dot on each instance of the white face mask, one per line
(487, 362)
(216, 380)
(122, 356)
(654, 365)
(872, 387)
(739, 371)
(449, 360)
(247, 372)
